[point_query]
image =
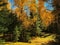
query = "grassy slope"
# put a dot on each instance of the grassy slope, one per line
(21, 43)
(35, 41)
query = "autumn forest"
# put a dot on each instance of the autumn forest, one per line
(30, 21)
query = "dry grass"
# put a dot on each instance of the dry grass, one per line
(43, 40)
(35, 41)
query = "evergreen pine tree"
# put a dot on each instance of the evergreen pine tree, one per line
(8, 20)
(3, 16)
(16, 34)
(38, 25)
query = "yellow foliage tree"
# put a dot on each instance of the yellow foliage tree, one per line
(46, 16)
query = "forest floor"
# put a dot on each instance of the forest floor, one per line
(34, 41)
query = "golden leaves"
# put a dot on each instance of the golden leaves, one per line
(34, 19)
(8, 6)
(26, 23)
(23, 17)
(46, 17)
(17, 11)
(33, 7)
(20, 3)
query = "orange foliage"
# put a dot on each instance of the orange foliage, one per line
(32, 5)
(8, 6)
(26, 24)
(46, 16)
(21, 16)
(20, 3)
(34, 19)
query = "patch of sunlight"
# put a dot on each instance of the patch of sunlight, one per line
(20, 43)
(44, 40)
(35, 41)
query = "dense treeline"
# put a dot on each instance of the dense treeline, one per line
(18, 25)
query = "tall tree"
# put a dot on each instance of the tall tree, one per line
(7, 19)
(3, 15)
